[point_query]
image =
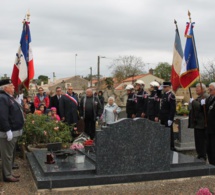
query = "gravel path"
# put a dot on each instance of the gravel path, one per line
(189, 186)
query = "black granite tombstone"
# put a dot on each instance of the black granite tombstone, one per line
(132, 146)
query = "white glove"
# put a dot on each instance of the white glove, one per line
(203, 102)
(191, 100)
(161, 87)
(169, 122)
(9, 135)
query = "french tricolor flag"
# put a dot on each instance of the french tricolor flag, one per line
(190, 66)
(177, 61)
(23, 70)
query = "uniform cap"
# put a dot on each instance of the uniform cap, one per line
(5, 82)
(167, 83)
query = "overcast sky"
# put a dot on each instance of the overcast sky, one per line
(111, 28)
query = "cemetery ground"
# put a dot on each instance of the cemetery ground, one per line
(26, 185)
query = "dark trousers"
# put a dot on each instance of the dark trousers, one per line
(172, 145)
(200, 142)
(90, 127)
(211, 148)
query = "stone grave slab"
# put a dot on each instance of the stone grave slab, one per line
(186, 135)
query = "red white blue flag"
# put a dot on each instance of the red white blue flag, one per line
(23, 70)
(176, 62)
(190, 66)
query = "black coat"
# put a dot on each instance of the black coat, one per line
(168, 107)
(54, 102)
(11, 115)
(68, 109)
(131, 104)
(141, 105)
(153, 105)
(210, 110)
(97, 108)
(197, 113)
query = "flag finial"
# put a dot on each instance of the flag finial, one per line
(28, 15)
(176, 24)
(189, 14)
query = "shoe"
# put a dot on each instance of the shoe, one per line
(16, 176)
(11, 179)
(15, 166)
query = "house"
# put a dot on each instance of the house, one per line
(147, 78)
(78, 83)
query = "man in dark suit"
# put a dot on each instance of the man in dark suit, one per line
(54, 101)
(68, 106)
(197, 120)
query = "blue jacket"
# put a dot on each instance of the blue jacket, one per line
(11, 115)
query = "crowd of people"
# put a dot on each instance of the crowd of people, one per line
(158, 105)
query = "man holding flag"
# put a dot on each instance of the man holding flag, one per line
(23, 70)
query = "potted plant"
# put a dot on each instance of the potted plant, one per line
(39, 130)
(183, 112)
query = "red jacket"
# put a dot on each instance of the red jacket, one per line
(45, 101)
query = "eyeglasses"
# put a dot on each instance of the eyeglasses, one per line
(58, 90)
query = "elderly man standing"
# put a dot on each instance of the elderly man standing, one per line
(11, 124)
(210, 110)
(197, 120)
(90, 110)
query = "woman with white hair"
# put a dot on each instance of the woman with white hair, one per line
(111, 111)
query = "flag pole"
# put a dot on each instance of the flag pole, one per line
(197, 63)
(189, 14)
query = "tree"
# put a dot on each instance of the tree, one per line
(42, 78)
(109, 82)
(127, 66)
(208, 75)
(163, 71)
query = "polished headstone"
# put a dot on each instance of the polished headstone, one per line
(132, 146)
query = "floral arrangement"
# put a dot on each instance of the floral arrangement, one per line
(204, 191)
(88, 142)
(76, 146)
(42, 129)
(182, 109)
